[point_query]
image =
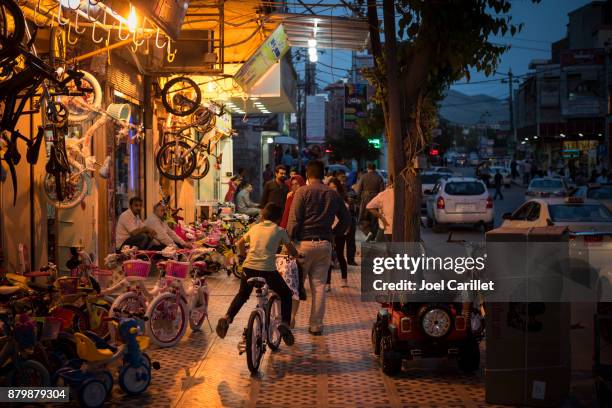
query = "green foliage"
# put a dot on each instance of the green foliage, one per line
(373, 124)
(352, 145)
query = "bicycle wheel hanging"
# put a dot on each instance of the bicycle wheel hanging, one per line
(74, 187)
(12, 25)
(202, 166)
(91, 95)
(174, 161)
(181, 96)
(254, 342)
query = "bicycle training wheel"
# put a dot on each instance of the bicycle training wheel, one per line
(75, 187)
(167, 321)
(273, 317)
(175, 162)
(181, 96)
(202, 166)
(254, 342)
(12, 25)
(29, 373)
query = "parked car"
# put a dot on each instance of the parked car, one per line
(598, 192)
(575, 213)
(459, 200)
(504, 171)
(430, 178)
(547, 187)
(337, 167)
(461, 159)
(473, 159)
(441, 169)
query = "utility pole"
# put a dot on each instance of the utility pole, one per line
(511, 105)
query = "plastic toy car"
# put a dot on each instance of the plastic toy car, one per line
(426, 330)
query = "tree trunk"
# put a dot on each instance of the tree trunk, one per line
(394, 122)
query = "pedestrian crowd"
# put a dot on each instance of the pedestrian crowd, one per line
(313, 218)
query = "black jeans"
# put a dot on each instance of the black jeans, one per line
(275, 283)
(339, 243)
(351, 246)
(498, 192)
(141, 241)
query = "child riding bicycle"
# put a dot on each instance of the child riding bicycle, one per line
(264, 239)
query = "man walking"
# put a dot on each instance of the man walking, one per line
(498, 180)
(368, 186)
(275, 191)
(314, 208)
(381, 207)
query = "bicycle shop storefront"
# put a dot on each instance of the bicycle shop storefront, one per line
(100, 120)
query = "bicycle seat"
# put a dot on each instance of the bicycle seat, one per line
(143, 342)
(87, 350)
(256, 282)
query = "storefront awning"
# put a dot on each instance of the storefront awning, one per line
(329, 31)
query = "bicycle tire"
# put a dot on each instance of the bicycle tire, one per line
(197, 174)
(11, 40)
(166, 98)
(79, 186)
(165, 156)
(196, 324)
(254, 342)
(23, 373)
(273, 319)
(94, 98)
(156, 306)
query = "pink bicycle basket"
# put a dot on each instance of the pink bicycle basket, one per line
(104, 277)
(176, 269)
(136, 268)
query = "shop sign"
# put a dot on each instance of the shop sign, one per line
(268, 54)
(583, 56)
(355, 103)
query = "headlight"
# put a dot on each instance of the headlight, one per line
(436, 323)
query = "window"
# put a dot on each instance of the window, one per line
(464, 188)
(522, 212)
(534, 213)
(580, 213)
(600, 193)
(430, 178)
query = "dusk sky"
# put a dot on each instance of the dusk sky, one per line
(544, 23)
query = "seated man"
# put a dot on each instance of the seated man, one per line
(244, 205)
(164, 235)
(130, 228)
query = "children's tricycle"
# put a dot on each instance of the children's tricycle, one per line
(426, 330)
(90, 377)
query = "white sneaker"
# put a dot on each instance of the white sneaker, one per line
(345, 283)
(328, 287)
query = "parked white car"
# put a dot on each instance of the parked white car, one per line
(459, 200)
(547, 187)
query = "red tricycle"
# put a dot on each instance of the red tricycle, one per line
(427, 330)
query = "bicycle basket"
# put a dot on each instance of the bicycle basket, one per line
(51, 328)
(176, 269)
(103, 276)
(136, 269)
(68, 285)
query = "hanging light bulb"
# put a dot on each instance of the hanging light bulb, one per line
(312, 43)
(132, 21)
(313, 57)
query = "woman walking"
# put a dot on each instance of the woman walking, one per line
(339, 243)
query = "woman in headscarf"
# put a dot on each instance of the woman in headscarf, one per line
(295, 182)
